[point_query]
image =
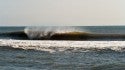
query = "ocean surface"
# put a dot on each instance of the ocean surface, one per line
(19, 59)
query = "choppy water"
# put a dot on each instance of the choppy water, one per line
(19, 59)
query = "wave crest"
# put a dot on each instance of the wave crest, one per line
(47, 32)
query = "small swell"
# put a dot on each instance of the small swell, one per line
(14, 35)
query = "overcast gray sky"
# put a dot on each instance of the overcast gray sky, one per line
(62, 12)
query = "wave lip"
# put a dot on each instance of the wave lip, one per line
(60, 33)
(49, 32)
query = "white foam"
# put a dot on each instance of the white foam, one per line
(51, 46)
(47, 32)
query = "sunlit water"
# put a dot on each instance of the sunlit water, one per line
(19, 59)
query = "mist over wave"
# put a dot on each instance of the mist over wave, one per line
(48, 32)
(64, 33)
(73, 33)
(22, 48)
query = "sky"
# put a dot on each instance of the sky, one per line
(62, 12)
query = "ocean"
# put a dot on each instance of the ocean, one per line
(108, 56)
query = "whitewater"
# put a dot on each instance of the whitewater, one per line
(53, 46)
(62, 48)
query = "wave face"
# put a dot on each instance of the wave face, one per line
(64, 33)
(50, 32)
(75, 33)
(12, 33)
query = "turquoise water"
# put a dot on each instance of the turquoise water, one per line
(19, 59)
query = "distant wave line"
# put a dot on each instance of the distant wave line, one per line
(68, 33)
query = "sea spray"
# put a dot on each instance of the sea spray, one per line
(47, 32)
(65, 33)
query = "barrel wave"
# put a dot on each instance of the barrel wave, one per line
(62, 33)
(57, 33)
(62, 48)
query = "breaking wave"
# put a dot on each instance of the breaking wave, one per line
(48, 32)
(59, 33)
(68, 33)
(53, 46)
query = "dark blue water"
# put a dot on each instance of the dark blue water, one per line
(19, 59)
